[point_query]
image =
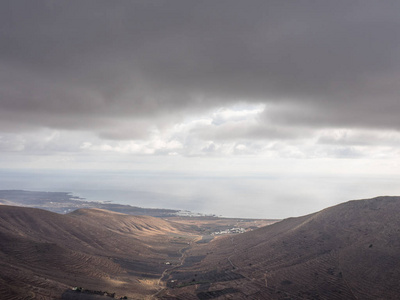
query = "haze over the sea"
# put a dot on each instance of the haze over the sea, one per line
(239, 108)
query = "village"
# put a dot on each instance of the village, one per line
(230, 231)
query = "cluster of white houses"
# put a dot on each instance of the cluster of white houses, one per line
(228, 231)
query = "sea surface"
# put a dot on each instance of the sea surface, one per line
(267, 196)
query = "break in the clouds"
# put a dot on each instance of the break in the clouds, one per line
(122, 69)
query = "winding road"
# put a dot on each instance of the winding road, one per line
(167, 271)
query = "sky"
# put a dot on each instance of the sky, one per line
(239, 108)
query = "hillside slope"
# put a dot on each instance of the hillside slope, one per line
(349, 251)
(44, 254)
(123, 223)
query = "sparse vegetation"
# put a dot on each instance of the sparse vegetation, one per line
(93, 292)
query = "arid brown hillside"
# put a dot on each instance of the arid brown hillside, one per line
(44, 254)
(123, 223)
(349, 251)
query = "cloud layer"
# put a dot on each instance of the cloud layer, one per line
(200, 77)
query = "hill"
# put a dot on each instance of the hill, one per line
(43, 255)
(349, 251)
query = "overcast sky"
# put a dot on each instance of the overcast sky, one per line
(210, 95)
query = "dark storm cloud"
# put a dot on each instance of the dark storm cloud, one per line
(90, 64)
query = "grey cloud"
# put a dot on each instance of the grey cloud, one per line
(241, 130)
(360, 138)
(43, 142)
(82, 65)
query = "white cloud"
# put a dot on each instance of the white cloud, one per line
(237, 113)
(234, 130)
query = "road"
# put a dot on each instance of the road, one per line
(164, 276)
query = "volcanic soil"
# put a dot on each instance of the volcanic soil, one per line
(349, 251)
(94, 253)
(44, 255)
